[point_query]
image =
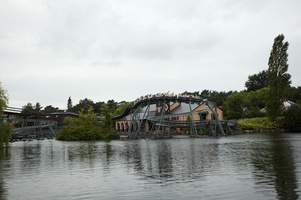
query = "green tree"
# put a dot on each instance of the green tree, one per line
(50, 109)
(5, 128)
(97, 107)
(294, 94)
(254, 102)
(108, 122)
(84, 104)
(5, 133)
(292, 117)
(37, 110)
(257, 81)
(245, 104)
(69, 104)
(218, 97)
(3, 100)
(189, 119)
(121, 108)
(27, 110)
(86, 127)
(112, 105)
(211, 95)
(279, 79)
(234, 105)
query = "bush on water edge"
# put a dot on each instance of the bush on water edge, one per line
(260, 123)
(5, 133)
(86, 127)
(77, 133)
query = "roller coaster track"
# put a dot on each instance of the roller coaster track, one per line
(162, 121)
(153, 99)
(36, 127)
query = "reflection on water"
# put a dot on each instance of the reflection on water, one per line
(4, 157)
(274, 167)
(253, 166)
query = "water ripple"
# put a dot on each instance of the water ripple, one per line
(251, 166)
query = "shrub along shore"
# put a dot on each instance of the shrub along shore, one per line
(281, 124)
(260, 124)
(86, 128)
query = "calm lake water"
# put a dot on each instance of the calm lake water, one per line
(248, 166)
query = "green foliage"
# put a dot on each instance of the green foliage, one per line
(108, 122)
(292, 117)
(27, 109)
(69, 104)
(211, 95)
(3, 100)
(50, 109)
(5, 133)
(254, 102)
(32, 111)
(245, 104)
(86, 127)
(121, 108)
(260, 123)
(37, 110)
(5, 128)
(234, 105)
(189, 119)
(217, 97)
(279, 79)
(257, 81)
(97, 107)
(83, 106)
(112, 105)
(294, 94)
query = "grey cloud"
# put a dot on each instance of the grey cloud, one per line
(106, 63)
(86, 43)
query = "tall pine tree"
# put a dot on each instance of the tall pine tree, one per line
(278, 78)
(69, 104)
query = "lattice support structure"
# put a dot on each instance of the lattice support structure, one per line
(159, 124)
(37, 128)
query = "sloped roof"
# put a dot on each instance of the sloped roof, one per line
(183, 108)
(284, 106)
(64, 113)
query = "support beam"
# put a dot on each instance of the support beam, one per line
(192, 125)
(217, 121)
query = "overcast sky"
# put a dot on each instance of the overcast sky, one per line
(122, 49)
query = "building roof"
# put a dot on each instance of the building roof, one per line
(284, 106)
(64, 113)
(183, 108)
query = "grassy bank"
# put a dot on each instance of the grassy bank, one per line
(260, 124)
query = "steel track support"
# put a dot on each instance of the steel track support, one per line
(217, 121)
(162, 119)
(192, 125)
(145, 116)
(133, 122)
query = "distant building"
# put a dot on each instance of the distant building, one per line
(60, 116)
(177, 112)
(284, 106)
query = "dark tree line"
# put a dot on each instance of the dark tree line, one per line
(85, 104)
(37, 111)
(257, 81)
